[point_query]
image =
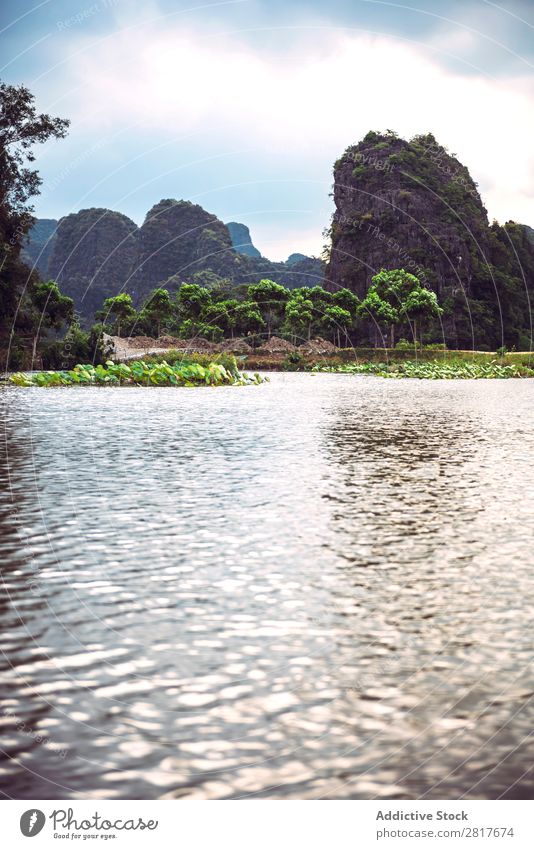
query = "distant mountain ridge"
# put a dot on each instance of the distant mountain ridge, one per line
(97, 253)
(240, 236)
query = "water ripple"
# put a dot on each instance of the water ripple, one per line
(316, 588)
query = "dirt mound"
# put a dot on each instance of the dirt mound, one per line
(198, 345)
(275, 345)
(318, 347)
(139, 342)
(236, 346)
(169, 342)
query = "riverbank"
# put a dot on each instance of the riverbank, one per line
(317, 354)
(464, 365)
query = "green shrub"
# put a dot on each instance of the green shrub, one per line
(405, 345)
(293, 361)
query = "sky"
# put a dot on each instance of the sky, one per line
(243, 106)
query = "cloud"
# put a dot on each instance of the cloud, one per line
(292, 110)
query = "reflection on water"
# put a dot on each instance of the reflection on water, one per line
(316, 588)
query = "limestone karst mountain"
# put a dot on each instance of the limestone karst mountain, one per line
(413, 205)
(96, 253)
(240, 236)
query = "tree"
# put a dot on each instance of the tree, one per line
(192, 300)
(298, 315)
(191, 328)
(21, 127)
(396, 296)
(421, 304)
(379, 310)
(338, 319)
(248, 318)
(319, 297)
(121, 309)
(77, 346)
(348, 301)
(52, 310)
(222, 314)
(271, 299)
(157, 312)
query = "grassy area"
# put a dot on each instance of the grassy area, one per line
(385, 362)
(141, 373)
(520, 358)
(432, 370)
(385, 358)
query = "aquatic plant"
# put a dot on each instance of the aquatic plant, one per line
(140, 373)
(432, 369)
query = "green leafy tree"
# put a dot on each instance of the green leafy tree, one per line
(192, 300)
(271, 299)
(338, 320)
(319, 297)
(248, 318)
(21, 127)
(298, 315)
(420, 306)
(158, 312)
(191, 328)
(77, 346)
(396, 296)
(347, 300)
(222, 314)
(52, 310)
(121, 311)
(379, 311)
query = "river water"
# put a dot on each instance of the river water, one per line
(321, 587)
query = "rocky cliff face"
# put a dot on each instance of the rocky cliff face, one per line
(178, 239)
(412, 205)
(240, 236)
(93, 254)
(405, 204)
(39, 244)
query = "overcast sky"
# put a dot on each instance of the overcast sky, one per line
(243, 106)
